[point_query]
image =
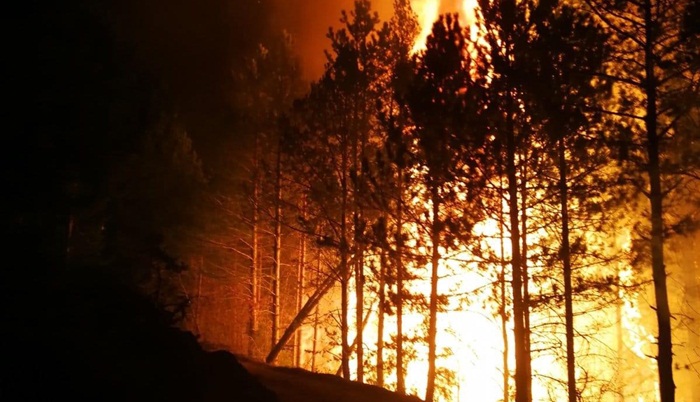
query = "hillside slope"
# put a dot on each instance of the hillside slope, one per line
(81, 336)
(297, 385)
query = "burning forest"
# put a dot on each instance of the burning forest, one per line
(456, 200)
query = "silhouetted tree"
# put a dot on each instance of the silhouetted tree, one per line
(442, 101)
(648, 69)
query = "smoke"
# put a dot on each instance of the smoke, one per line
(309, 20)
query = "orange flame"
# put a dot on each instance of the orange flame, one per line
(472, 332)
(428, 12)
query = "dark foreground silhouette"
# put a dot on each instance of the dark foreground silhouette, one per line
(297, 385)
(85, 338)
(79, 336)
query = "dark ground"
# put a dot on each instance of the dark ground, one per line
(81, 336)
(85, 338)
(297, 385)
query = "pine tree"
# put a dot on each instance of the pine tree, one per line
(440, 98)
(648, 69)
(570, 51)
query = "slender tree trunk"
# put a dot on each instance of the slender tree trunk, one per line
(309, 306)
(345, 349)
(565, 254)
(277, 251)
(667, 387)
(316, 315)
(301, 268)
(432, 326)
(358, 148)
(380, 318)
(692, 291)
(355, 343)
(504, 302)
(314, 349)
(527, 363)
(197, 306)
(255, 254)
(344, 268)
(359, 301)
(522, 390)
(621, 366)
(398, 262)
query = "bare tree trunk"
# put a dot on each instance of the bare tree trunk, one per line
(504, 302)
(527, 364)
(316, 315)
(522, 389)
(359, 300)
(301, 268)
(355, 341)
(432, 326)
(358, 148)
(566, 261)
(277, 251)
(308, 307)
(398, 262)
(691, 285)
(380, 319)
(667, 387)
(621, 367)
(345, 354)
(311, 303)
(255, 255)
(197, 306)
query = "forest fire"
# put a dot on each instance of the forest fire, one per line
(429, 10)
(468, 303)
(499, 206)
(471, 334)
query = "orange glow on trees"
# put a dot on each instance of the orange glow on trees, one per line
(429, 10)
(392, 237)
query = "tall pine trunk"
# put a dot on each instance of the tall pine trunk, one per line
(359, 300)
(663, 312)
(527, 362)
(253, 324)
(308, 307)
(277, 252)
(565, 254)
(317, 282)
(354, 343)
(380, 318)
(522, 390)
(432, 325)
(398, 262)
(344, 268)
(504, 300)
(301, 274)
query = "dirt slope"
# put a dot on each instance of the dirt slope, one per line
(297, 385)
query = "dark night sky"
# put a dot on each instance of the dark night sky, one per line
(83, 60)
(87, 73)
(92, 59)
(87, 76)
